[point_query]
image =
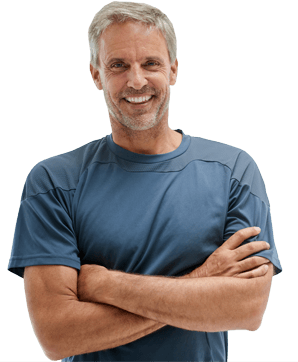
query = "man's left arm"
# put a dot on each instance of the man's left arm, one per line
(200, 304)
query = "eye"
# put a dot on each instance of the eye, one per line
(152, 62)
(114, 65)
(121, 65)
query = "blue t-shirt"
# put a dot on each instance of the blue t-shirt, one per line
(158, 214)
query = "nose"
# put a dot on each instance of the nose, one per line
(136, 77)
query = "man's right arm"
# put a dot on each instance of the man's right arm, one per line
(65, 326)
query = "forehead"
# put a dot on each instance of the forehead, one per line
(131, 40)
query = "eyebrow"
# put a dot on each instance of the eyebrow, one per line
(123, 60)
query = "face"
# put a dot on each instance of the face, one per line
(134, 62)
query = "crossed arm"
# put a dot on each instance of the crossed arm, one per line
(117, 308)
(200, 304)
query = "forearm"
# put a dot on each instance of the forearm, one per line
(200, 304)
(86, 327)
(83, 327)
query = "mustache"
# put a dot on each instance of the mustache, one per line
(135, 92)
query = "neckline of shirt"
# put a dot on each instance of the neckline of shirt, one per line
(139, 157)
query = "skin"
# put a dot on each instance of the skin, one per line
(141, 130)
(224, 303)
(64, 318)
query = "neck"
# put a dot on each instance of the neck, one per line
(156, 140)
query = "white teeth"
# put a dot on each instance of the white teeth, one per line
(138, 100)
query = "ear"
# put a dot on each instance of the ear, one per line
(96, 77)
(174, 72)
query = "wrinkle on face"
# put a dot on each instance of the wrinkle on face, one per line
(145, 68)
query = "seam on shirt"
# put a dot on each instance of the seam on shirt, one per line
(240, 184)
(43, 256)
(100, 162)
(43, 193)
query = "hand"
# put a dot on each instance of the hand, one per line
(90, 280)
(227, 260)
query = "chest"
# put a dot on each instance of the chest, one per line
(146, 222)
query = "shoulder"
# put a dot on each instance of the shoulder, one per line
(62, 170)
(214, 151)
(243, 169)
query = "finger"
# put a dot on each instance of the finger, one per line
(238, 238)
(250, 248)
(258, 272)
(251, 263)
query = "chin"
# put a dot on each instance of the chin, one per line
(139, 125)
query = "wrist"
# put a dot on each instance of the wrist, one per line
(108, 285)
(185, 276)
(98, 285)
(200, 272)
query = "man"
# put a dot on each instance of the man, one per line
(137, 246)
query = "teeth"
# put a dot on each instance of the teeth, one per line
(138, 100)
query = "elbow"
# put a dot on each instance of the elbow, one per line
(48, 338)
(255, 325)
(259, 299)
(256, 316)
(55, 336)
(255, 313)
(55, 347)
(53, 356)
(50, 350)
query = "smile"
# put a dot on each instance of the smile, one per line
(141, 101)
(138, 99)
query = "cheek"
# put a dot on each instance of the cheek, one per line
(160, 83)
(112, 91)
(116, 85)
(112, 84)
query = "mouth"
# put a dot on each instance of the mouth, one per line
(139, 104)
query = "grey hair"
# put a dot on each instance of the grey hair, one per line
(119, 12)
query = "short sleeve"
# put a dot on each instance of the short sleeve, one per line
(44, 232)
(249, 206)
